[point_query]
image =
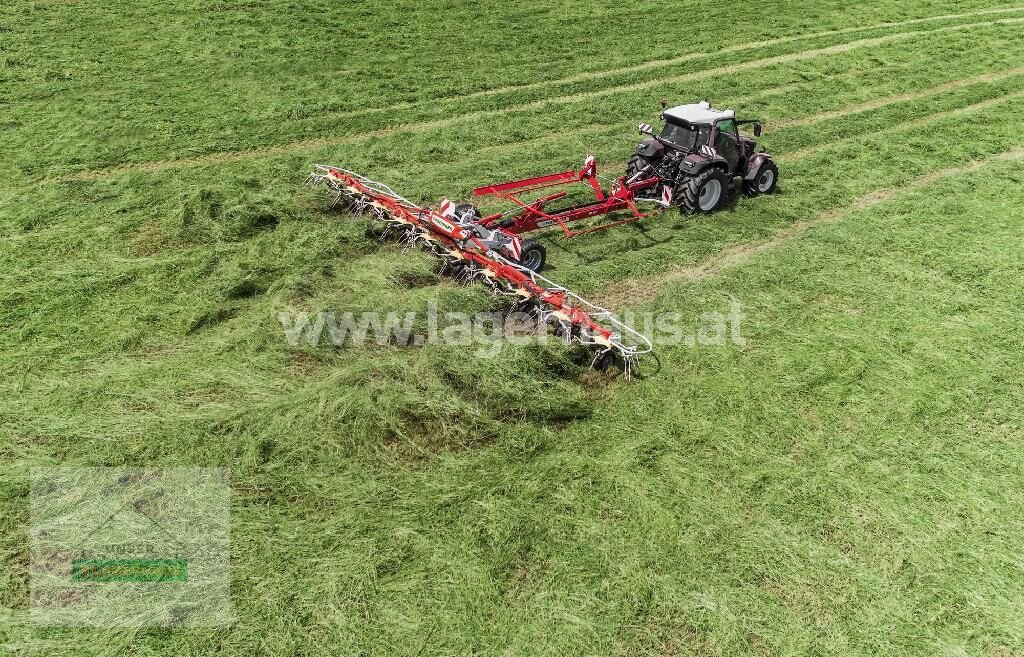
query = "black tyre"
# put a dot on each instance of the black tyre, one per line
(462, 208)
(636, 164)
(764, 181)
(534, 255)
(605, 360)
(704, 192)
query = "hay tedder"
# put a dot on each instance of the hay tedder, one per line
(470, 250)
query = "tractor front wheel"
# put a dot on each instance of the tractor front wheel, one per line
(704, 192)
(534, 255)
(764, 181)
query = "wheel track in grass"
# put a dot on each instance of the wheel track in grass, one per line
(769, 127)
(915, 123)
(657, 63)
(878, 103)
(424, 126)
(647, 288)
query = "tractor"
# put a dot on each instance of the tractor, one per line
(701, 151)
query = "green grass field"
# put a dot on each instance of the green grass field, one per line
(850, 481)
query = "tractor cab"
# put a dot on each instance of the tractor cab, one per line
(696, 138)
(698, 126)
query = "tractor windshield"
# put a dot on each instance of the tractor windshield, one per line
(685, 135)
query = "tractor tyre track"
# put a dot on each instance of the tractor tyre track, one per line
(657, 63)
(878, 103)
(916, 123)
(647, 288)
(424, 126)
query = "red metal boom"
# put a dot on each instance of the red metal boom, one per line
(531, 215)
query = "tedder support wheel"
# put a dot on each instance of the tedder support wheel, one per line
(462, 208)
(534, 255)
(704, 192)
(764, 181)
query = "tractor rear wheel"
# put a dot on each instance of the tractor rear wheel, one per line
(534, 255)
(764, 181)
(636, 164)
(703, 192)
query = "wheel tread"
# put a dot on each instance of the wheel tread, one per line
(691, 190)
(534, 245)
(750, 186)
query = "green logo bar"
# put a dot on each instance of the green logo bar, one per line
(129, 570)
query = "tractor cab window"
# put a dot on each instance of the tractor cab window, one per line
(686, 136)
(726, 142)
(727, 126)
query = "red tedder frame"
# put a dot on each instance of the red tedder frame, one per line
(449, 236)
(459, 245)
(532, 216)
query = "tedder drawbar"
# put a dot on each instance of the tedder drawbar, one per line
(692, 163)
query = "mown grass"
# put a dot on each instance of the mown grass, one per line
(173, 113)
(845, 483)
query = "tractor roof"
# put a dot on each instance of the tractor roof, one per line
(701, 112)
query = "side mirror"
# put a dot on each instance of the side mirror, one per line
(757, 129)
(645, 129)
